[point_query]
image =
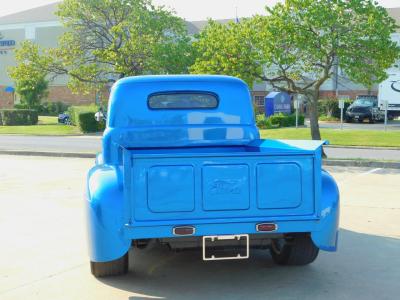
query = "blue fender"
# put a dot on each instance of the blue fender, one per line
(325, 237)
(104, 201)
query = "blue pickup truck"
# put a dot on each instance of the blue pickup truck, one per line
(183, 165)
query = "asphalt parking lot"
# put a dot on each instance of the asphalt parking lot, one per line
(43, 246)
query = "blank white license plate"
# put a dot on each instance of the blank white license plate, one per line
(241, 240)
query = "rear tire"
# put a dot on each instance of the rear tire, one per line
(110, 268)
(297, 249)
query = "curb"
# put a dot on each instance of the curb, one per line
(47, 154)
(361, 163)
(363, 147)
(326, 162)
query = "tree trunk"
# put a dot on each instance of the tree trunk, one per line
(313, 113)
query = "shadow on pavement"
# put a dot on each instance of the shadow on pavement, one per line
(365, 267)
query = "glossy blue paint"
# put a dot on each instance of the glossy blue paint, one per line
(201, 167)
(285, 179)
(327, 234)
(218, 176)
(105, 214)
(170, 188)
(220, 181)
(131, 124)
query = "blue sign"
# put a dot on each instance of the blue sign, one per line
(9, 89)
(277, 102)
(7, 43)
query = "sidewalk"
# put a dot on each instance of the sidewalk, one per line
(372, 153)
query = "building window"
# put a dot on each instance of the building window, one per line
(30, 33)
(259, 101)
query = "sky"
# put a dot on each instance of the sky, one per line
(191, 10)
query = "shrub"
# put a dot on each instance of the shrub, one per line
(18, 117)
(326, 118)
(21, 106)
(32, 89)
(83, 117)
(263, 122)
(74, 112)
(281, 120)
(87, 122)
(52, 108)
(330, 107)
(46, 108)
(278, 120)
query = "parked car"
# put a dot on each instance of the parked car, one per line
(365, 107)
(183, 165)
(64, 118)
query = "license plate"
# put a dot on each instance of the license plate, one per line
(356, 117)
(239, 240)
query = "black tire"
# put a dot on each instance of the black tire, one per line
(297, 249)
(110, 268)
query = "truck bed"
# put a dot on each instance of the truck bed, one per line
(203, 185)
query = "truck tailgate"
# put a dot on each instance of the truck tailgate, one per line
(203, 186)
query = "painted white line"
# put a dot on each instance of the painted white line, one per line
(370, 171)
(348, 179)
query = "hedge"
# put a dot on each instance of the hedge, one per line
(52, 108)
(282, 120)
(278, 120)
(74, 112)
(83, 117)
(263, 122)
(10, 117)
(88, 123)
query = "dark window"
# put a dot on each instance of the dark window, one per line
(259, 100)
(183, 100)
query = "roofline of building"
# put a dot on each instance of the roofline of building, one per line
(30, 24)
(198, 24)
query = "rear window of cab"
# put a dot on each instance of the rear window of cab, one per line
(183, 100)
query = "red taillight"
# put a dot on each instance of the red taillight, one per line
(183, 230)
(266, 227)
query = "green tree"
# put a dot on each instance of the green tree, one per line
(106, 40)
(298, 45)
(30, 82)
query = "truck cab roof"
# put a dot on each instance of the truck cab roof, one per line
(178, 111)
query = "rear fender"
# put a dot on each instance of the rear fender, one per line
(104, 202)
(326, 236)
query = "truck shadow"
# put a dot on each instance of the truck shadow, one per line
(365, 267)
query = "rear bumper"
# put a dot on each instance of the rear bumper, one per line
(234, 228)
(110, 237)
(360, 115)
